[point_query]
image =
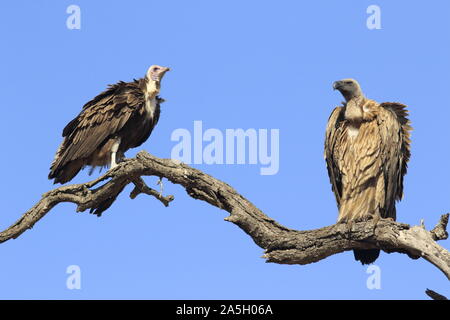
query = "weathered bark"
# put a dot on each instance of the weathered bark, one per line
(282, 245)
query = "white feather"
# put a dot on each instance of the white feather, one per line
(150, 98)
(352, 132)
(150, 106)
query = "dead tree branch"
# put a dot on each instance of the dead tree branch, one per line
(282, 245)
(434, 295)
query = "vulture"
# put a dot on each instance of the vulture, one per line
(121, 117)
(367, 148)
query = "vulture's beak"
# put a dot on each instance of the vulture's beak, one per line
(337, 85)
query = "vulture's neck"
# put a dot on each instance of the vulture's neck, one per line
(354, 109)
(151, 88)
(151, 92)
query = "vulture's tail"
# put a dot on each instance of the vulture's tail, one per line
(67, 172)
(366, 256)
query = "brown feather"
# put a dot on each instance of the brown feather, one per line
(366, 171)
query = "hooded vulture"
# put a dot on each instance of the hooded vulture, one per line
(367, 148)
(120, 118)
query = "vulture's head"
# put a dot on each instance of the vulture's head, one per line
(349, 88)
(156, 73)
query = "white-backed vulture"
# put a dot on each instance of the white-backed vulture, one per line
(367, 148)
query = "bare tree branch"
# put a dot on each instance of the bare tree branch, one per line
(440, 231)
(141, 187)
(282, 245)
(434, 295)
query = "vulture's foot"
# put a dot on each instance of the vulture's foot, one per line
(161, 186)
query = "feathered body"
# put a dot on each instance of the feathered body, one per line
(367, 147)
(120, 118)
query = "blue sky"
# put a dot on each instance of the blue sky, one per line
(235, 64)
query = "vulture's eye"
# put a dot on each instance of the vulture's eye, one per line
(155, 69)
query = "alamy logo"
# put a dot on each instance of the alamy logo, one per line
(374, 280)
(74, 279)
(73, 21)
(373, 22)
(235, 146)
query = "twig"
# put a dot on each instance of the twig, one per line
(141, 187)
(434, 295)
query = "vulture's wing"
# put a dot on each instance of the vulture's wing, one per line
(395, 130)
(102, 117)
(334, 128)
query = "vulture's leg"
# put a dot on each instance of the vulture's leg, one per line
(349, 223)
(161, 186)
(114, 150)
(348, 227)
(375, 220)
